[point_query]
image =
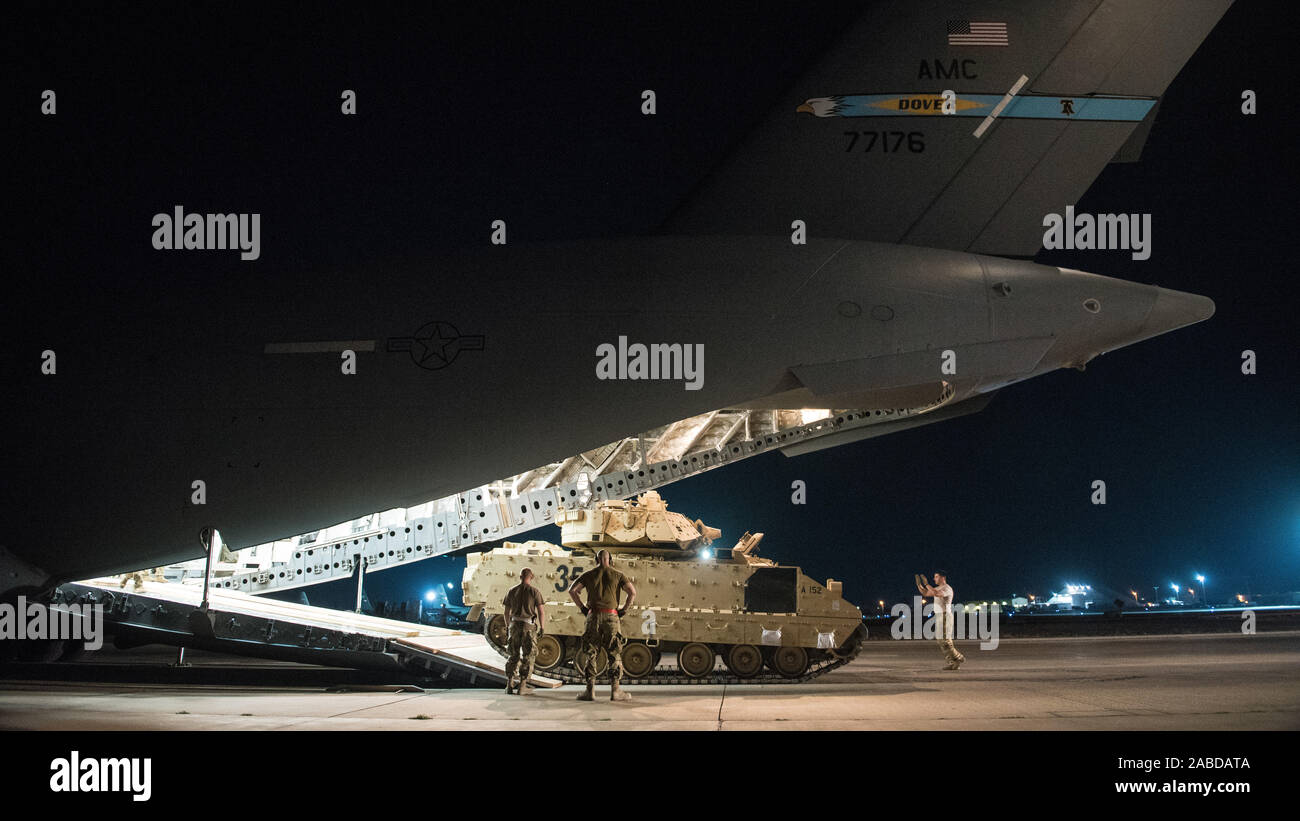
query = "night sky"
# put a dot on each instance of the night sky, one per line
(532, 116)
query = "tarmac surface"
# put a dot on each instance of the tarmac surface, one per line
(1187, 682)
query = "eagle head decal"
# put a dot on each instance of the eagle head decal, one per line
(822, 106)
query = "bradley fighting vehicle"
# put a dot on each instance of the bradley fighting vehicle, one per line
(765, 622)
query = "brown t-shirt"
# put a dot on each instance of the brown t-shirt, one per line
(602, 585)
(524, 599)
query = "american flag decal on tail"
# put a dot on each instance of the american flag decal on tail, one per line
(966, 33)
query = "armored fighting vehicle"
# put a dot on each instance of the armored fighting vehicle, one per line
(696, 604)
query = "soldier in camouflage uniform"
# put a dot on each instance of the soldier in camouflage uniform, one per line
(526, 619)
(604, 585)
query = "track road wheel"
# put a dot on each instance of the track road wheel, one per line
(638, 660)
(790, 662)
(497, 631)
(549, 653)
(576, 660)
(696, 660)
(744, 660)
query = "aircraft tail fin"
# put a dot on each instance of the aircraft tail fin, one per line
(861, 147)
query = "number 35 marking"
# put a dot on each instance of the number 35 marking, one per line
(567, 577)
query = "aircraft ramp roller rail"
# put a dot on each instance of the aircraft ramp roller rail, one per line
(240, 624)
(529, 501)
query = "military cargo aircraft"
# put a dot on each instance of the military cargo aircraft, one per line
(873, 234)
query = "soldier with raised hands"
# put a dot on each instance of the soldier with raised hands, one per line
(942, 593)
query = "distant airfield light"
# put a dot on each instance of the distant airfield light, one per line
(706, 554)
(1174, 587)
(448, 585)
(1200, 578)
(431, 595)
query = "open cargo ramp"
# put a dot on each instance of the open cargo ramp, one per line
(242, 624)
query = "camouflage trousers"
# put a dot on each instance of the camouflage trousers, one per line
(522, 649)
(602, 633)
(943, 633)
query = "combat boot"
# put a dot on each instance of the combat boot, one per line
(525, 689)
(617, 693)
(510, 686)
(589, 694)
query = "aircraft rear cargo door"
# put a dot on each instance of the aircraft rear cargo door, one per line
(773, 590)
